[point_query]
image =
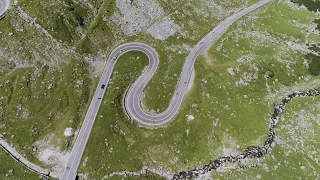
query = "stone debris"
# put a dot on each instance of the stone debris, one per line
(163, 29)
(134, 17)
(230, 71)
(249, 153)
(85, 162)
(68, 132)
(159, 171)
(190, 117)
(187, 132)
(32, 21)
(55, 158)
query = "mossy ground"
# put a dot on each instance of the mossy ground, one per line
(45, 88)
(19, 171)
(228, 118)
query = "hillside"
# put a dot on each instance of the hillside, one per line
(53, 52)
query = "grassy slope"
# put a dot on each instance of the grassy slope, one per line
(63, 19)
(43, 110)
(105, 35)
(283, 162)
(293, 156)
(19, 172)
(42, 98)
(240, 113)
(158, 95)
(155, 148)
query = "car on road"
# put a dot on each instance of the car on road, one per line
(103, 86)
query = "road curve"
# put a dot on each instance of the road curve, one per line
(21, 159)
(4, 5)
(133, 97)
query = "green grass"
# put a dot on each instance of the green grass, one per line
(98, 28)
(148, 176)
(60, 18)
(241, 113)
(18, 45)
(142, 147)
(251, 2)
(278, 164)
(227, 118)
(31, 110)
(310, 4)
(314, 65)
(19, 171)
(41, 99)
(105, 35)
(317, 21)
(293, 158)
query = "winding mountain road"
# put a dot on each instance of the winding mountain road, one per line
(4, 5)
(133, 97)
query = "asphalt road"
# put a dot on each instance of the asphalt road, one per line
(4, 5)
(83, 135)
(132, 100)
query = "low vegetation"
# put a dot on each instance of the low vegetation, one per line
(256, 63)
(46, 86)
(11, 170)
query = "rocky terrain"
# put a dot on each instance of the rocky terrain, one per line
(53, 52)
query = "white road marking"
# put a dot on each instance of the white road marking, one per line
(132, 100)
